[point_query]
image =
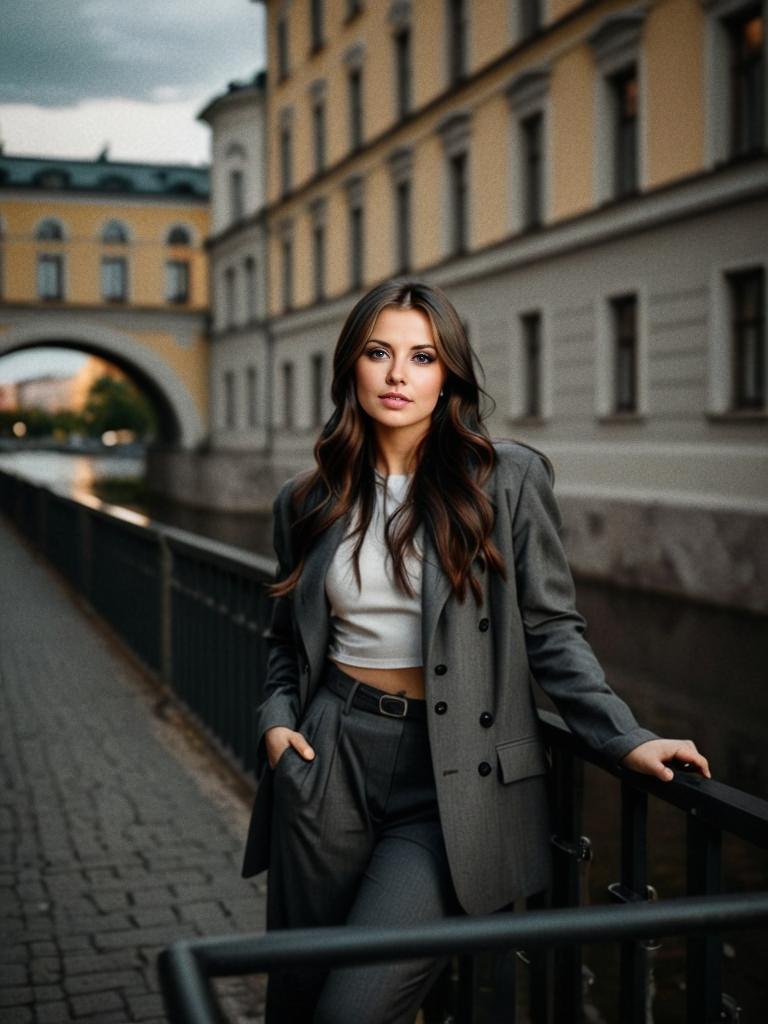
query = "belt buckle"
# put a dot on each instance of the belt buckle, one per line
(402, 703)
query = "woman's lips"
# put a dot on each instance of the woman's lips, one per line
(394, 403)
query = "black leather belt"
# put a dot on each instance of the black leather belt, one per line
(370, 698)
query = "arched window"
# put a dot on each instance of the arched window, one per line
(114, 233)
(50, 230)
(179, 235)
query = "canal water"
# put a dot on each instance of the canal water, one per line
(686, 669)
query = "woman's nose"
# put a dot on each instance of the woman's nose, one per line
(395, 374)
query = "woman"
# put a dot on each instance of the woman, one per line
(421, 584)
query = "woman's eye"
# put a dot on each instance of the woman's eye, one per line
(424, 357)
(373, 352)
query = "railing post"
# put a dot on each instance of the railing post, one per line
(569, 850)
(633, 887)
(166, 610)
(704, 952)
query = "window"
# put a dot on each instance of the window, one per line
(318, 213)
(114, 279)
(50, 277)
(624, 90)
(531, 129)
(50, 230)
(316, 23)
(746, 32)
(355, 85)
(177, 281)
(318, 373)
(287, 254)
(318, 134)
(618, 156)
(458, 210)
(251, 392)
(401, 168)
(288, 395)
(230, 410)
(230, 296)
(114, 233)
(747, 306)
(236, 195)
(454, 130)
(354, 190)
(356, 245)
(282, 47)
(532, 369)
(624, 317)
(286, 157)
(179, 235)
(251, 293)
(403, 225)
(457, 40)
(403, 71)
(530, 17)
(318, 266)
(353, 7)
(528, 100)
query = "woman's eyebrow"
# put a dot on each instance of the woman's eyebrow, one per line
(376, 341)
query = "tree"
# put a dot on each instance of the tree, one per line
(115, 404)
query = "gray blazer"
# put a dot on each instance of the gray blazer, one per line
(479, 660)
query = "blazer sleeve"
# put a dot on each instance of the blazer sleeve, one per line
(561, 660)
(281, 685)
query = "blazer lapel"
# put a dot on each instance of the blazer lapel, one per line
(435, 590)
(313, 617)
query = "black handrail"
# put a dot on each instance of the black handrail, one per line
(186, 966)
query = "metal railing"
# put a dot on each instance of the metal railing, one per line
(194, 611)
(187, 967)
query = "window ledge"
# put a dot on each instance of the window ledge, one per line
(738, 416)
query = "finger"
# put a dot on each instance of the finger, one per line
(300, 744)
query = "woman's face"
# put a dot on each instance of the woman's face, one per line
(400, 359)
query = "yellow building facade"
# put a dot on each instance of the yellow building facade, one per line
(496, 56)
(589, 182)
(109, 257)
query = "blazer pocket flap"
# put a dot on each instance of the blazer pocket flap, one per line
(521, 759)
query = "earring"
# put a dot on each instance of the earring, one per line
(441, 392)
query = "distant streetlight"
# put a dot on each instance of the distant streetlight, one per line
(109, 438)
(19, 429)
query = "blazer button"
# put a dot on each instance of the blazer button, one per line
(440, 670)
(486, 719)
(441, 707)
(306, 670)
(484, 768)
(483, 625)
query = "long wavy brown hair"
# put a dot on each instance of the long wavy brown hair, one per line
(452, 461)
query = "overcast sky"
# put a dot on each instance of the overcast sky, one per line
(76, 74)
(133, 74)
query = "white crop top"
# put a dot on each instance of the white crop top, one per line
(377, 626)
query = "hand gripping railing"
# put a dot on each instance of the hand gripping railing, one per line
(187, 966)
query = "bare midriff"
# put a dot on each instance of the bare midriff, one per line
(409, 682)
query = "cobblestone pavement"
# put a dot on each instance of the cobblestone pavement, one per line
(119, 831)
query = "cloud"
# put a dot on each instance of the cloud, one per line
(134, 129)
(56, 53)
